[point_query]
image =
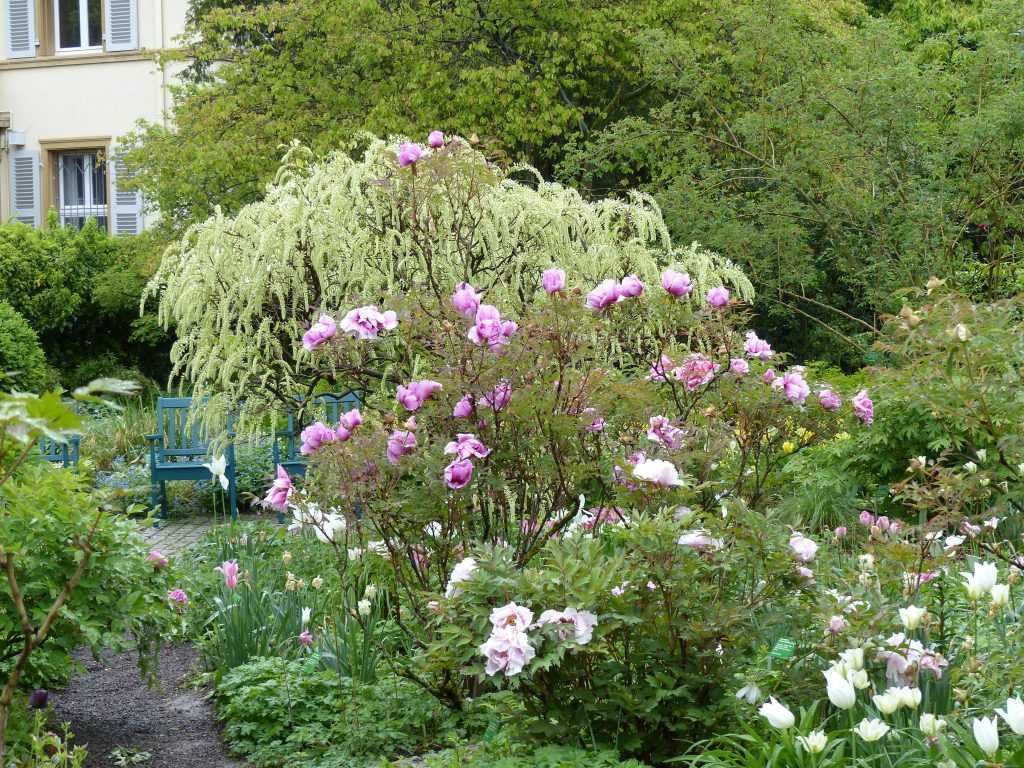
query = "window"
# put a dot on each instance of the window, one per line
(79, 25)
(82, 188)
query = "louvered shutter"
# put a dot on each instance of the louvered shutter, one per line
(25, 186)
(122, 25)
(126, 205)
(21, 28)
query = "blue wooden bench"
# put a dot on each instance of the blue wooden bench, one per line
(65, 453)
(180, 447)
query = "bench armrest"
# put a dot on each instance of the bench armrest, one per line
(154, 438)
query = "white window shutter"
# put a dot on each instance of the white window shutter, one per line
(25, 187)
(122, 28)
(126, 205)
(21, 28)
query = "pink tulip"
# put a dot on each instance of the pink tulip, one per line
(230, 570)
(676, 283)
(465, 300)
(280, 490)
(323, 329)
(409, 153)
(435, 139)
(718, 297)
(553, 280)
(458, 474)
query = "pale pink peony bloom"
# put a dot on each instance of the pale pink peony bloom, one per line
(768, 376)
(367, 322)
(863, 408)
(805, 573)
(581, 623)
(610, 515)
(462, 571)
(700, 540)
(718, 297)
(466, 300)
(498, 398)
(322, 330)
(840, 531)
(793, 386)
(676, 283)
(631, 287)
(511, 617)
(804, 549)
(279, 491)
(306, 638)
(466, 446)
(413, 396)
(464, 408)
(490, 330)
(755, 347)
(836, 624)
(400, 442)
(660, 430)
(435, 139)
(739, 366)
(661, 369)
(696, 371)
(348, 423)
(229, 568)
(314, 436)
(157, 558)
(553, 280)
(660, 473)
(178, 596)
(507, 652)
(409, 153)
(604, 295)
(829, 400)
(458, 474)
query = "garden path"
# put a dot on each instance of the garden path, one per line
(110, 708)
(175, 535)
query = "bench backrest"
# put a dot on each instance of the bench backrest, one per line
(53, 451)
(326, 408)
(181, 428)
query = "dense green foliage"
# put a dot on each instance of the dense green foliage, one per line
(22, 362)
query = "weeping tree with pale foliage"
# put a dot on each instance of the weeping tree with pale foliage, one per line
(399, 225)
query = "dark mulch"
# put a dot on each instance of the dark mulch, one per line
(108, 706)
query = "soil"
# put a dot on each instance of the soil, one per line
(109, 706)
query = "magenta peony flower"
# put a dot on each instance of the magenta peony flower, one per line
(718, 297)
(696, 371)
(178, 596)
(465, 300)
(322, 330)
(499, 396)
(409, 153)
(464, 408)
(840, 531)
(314, 436)
(676, 283)
(458, 474)
(660, 430)
(631, 287)
(348, 423)
(306, 638)
(413, 396)
(768, 376)
(794, 386)
(230, 570)
(400, 442)
(435, 139)
(367, 322)
(829, 400)
(280, 490)
(863, 407)
(739, 366)
(553, 280)
(659, 371)
(604, 295)
(467, 446)
(866, 518)
(489, 328)
(596, 425)
(755, 347)
(157, 558)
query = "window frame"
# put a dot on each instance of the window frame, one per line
(49, 176)
(83, 29)
(94, 160)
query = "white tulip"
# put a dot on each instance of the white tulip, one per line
(1014, 715)
(931, 725)
(911, 616)
(981, 580)
(363, 606)
(908, 697)
(776, 714)
(814, 742)
(840, 691)
(986, 733)
(307, 614)
(859, 678)
(1000, 595)
(871, 730)
(887, 702)
(853, 658)
(218, 467)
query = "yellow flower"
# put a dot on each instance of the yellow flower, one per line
(788, 447)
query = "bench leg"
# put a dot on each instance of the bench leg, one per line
(233, 497)
(154, 500)
(163, 499)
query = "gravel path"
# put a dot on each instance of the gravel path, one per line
(108, 706)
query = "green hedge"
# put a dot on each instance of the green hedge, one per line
(22, 362)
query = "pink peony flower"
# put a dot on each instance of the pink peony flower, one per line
(458, 474)
(631, 287)
(840, 531)
(348, 423)
(768, 376)
(660, 430)
(696, 371)
(314, 436)
(660, 473)
(466, 446)
(280, 490)
(490, 330)
(829, 400)
(507, 652)
(511, 617)
(499, 396)
(863, 408)
(793, 386)
(367, 322)
(178, 596)
(461, 573)
(435, 139)
(553, 280)
(803, 548)
(718, 297)
(464, 408)
(676, 283)
(602, 515)
(323, 329)
(805, 573)
(581, 623)
(739, 366)
(409, 153)
(659, 371)
(413, 396)
(157, 558)
(306, 638)
(836, 624)
(700, 540)
(400, 442)
(230, 570)
(604, 295)
(755, 347)
(465, 300)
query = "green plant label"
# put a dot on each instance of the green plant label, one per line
(783, 649)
